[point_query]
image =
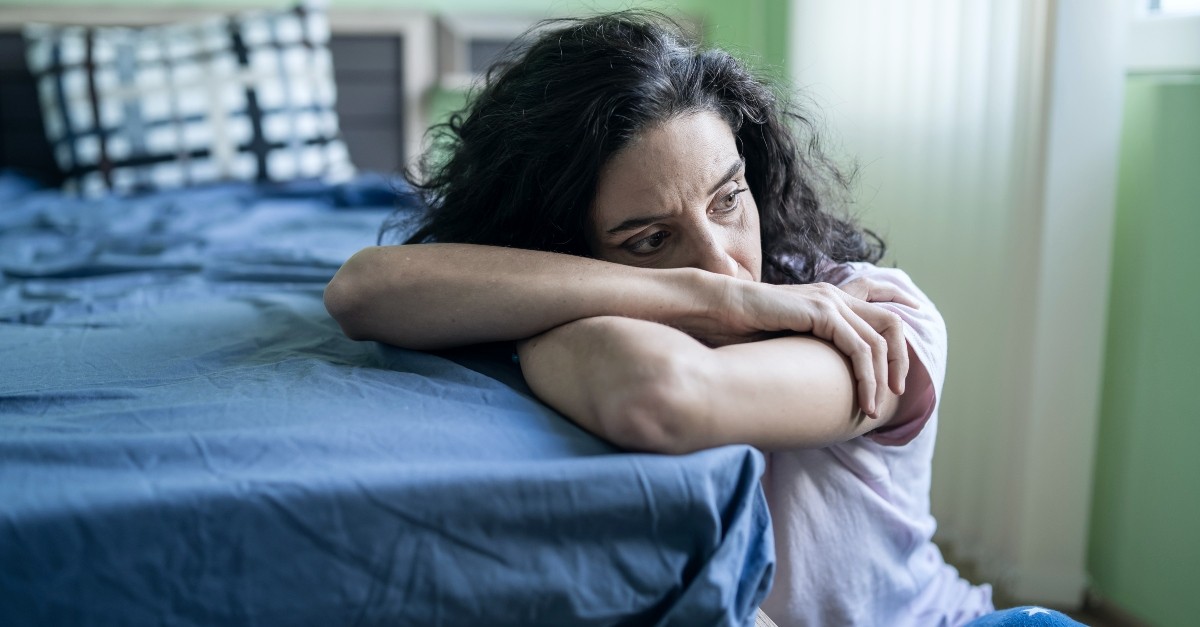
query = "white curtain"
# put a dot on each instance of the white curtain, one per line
(950, 108)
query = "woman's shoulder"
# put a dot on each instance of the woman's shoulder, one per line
(923, 317)
(842, 273)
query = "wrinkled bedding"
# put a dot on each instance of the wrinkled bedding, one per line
(187, 438)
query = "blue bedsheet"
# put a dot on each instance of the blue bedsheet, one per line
(187, 438)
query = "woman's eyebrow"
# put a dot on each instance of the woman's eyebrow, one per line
(639, 222)
(729, 174)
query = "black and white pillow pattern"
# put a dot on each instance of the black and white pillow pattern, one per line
(247, 97)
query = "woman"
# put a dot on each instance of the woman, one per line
(649, 224)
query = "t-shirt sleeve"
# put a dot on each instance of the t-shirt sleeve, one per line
(926, 334)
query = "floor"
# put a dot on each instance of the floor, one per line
(1094, 613)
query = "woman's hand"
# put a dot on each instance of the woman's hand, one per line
(870, 336)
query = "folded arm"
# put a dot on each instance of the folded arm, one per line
(431, 296)
(645, 386)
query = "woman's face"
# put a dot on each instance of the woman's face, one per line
(675, 197)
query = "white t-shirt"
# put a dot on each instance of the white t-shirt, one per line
(853, 529)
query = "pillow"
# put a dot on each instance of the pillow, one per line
(246, 97)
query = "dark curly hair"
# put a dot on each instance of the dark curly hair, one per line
(519, 166)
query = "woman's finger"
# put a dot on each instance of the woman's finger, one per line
(862, 360)
(879, 349)
(878, 292)
(835, 322)
(898, 363)
(889, 325)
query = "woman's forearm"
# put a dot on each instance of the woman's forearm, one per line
(647, 387)
(430, 296)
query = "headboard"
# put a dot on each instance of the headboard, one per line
(384, 67)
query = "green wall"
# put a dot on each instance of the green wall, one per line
(1144, 547)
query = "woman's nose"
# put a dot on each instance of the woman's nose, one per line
(712, 256)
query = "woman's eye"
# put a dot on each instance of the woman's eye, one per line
(730, 201)
(650, 244)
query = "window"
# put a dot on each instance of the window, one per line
(1164, 36)
(1173, 7)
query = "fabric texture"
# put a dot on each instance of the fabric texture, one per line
(187, 438)
(244, 97)
(853, 529)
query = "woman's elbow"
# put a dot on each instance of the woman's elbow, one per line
(346, 298)
(342, 305)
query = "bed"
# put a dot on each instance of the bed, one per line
(187, 438)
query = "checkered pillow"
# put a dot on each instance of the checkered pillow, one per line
(247, 97)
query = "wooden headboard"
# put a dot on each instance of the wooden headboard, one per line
(384, 66)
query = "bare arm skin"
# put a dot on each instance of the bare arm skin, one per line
(430, 296)
(648, 387)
